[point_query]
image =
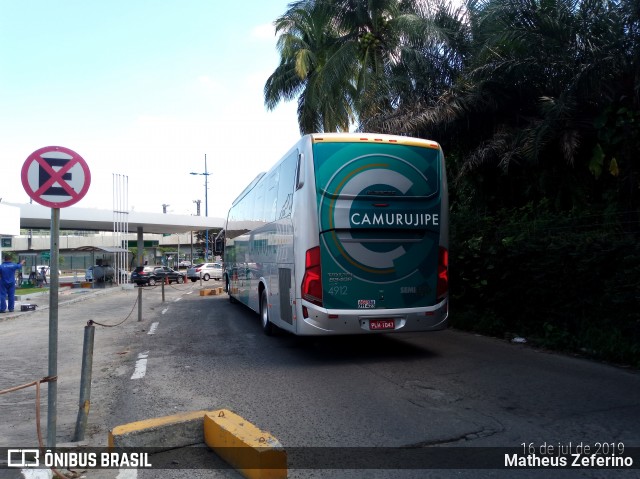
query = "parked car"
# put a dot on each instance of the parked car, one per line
(205, 271)
(155, 274)
(100, 274)
(184, 264)
(125, 276)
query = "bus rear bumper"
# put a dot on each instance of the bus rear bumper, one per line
(320, 321)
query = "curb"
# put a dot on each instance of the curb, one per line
(178, 430)
(254, 453)
(20, 297)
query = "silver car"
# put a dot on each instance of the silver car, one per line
(205, 271)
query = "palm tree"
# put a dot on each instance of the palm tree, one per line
(378, 31)
(535, 75)
(336, 57)
(429, 62)
(312, 68)
(557, 65)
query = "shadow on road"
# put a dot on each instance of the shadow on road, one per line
(361, 348)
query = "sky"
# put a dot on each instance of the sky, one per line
(143, 89)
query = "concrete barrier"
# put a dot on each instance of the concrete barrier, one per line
(211, 291)
(255, 453)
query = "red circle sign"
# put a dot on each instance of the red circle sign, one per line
(55, 176)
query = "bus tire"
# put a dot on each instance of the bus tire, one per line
(267, 326)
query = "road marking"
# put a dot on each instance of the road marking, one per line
(152, 329)
(165, 310)
(141, 366)
(190, 292)
(176, 300)
(40, 473)
(127, 474)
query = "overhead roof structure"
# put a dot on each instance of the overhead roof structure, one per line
(102, 249)
(91, 219)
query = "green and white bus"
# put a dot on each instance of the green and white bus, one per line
(346, 234)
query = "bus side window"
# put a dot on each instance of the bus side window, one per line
(258, 204)
(286, 185)
(271, 196)
(300, 172)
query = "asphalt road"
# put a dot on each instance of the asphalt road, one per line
(447, 389)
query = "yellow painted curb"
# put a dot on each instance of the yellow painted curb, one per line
(211, 291)
(256, 454)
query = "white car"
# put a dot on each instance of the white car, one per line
(205, 271)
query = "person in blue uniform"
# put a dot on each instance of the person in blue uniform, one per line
(8, 282)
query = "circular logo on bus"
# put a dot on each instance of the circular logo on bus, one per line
(374, 213)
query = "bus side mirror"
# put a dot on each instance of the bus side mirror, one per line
(218, 243)
(300, 172)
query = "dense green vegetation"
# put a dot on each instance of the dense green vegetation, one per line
(537, 106)
(561, 280)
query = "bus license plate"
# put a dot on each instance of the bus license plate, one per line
(377, 324)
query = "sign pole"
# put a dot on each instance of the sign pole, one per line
(140, 263)
(54, 280)
(56, 177)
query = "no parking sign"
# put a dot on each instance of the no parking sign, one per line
(55, 176)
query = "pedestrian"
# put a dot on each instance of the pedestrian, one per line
(8, 283)
(33, 276)
(43, 274)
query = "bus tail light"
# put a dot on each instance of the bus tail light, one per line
(312, 279)
(443, 273)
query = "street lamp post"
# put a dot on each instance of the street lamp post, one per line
(206, 204)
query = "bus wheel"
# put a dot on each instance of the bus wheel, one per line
(267, 327)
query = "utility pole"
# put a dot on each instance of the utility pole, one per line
(206, 205)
